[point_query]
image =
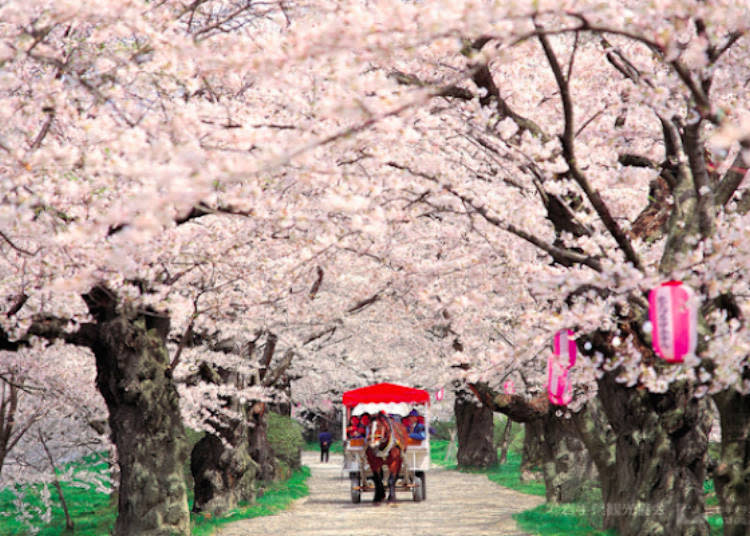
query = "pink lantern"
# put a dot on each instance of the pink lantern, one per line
(559, 389)
(564, 347)
(674, 320)
(509, 387)
(439, 394)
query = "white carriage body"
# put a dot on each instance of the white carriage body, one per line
(417, 456)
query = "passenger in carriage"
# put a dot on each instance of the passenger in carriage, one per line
(364, 423)
(358, 426)
(353, 429)
(414, 423)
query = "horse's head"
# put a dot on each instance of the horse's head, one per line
(379, 432)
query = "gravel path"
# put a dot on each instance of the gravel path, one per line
(457, 504)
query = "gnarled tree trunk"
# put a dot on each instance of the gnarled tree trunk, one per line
(661, 451)
(224, 474)
(567, 465)
(259, 447)
(732, 476)
(532, 456)
(599, 438)
(221, 463)
(475, 426)
(144, 416)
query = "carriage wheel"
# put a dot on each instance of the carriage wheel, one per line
(356, 492)
(417, 492)
(423, 481)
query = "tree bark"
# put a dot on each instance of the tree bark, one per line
(505, 441)
(532, 456)
(224, 474)
(223, 469)
(661, 453)
(732, 476)
(567, 465)
(599, 438)
(259, 447)
(144, 416)
(475, 427)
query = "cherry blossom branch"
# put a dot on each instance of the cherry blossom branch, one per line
(450, 90)
(733, 177)
(483, 78)
(18, 248)
(317, 283)
(560, 255)
(516, 407)
(360, 305)
(21, 300)
(569, 154)
(45, 128)
(279, 370)
(56, 481)
(695, 149)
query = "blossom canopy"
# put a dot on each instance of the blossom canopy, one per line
(385, 392)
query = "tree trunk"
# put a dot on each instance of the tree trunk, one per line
(599, 438)
(505, 441)
(732, 476)
(532, 457)
(144, 416)
(661, 451)
(259, 447)
(475, 427)
(223, 469)
(224, 474)
(567, 464)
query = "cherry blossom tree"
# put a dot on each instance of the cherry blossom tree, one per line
(186, 175)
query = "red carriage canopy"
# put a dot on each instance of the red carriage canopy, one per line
(385, 392)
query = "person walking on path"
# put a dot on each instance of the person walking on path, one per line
(324, 438)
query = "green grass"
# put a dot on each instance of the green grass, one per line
(276, 498)
(509, 475)
(94, 514)
(558, 520)
(91, 511)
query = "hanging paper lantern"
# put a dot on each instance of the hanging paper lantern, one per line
(439, 394)
(564, 347)
(559, 388)
(509, 387)
(673, 314)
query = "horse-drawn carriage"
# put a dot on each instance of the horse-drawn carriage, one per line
(386, 433)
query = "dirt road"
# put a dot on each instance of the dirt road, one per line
(457, 504)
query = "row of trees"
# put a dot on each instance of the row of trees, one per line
(223, 201)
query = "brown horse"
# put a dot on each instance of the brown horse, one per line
(386, 444)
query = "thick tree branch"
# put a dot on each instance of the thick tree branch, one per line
(703, 191)
(733, 177)
(270, 348)
(569, 154)
(280, 369)
(17, 248)
(317, 283)
(451, 90)
(357, 307)
(482, 77)
(516, 407)
(563, 256)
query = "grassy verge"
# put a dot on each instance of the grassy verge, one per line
(94, 514)
(88, 504)
(276, 498)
